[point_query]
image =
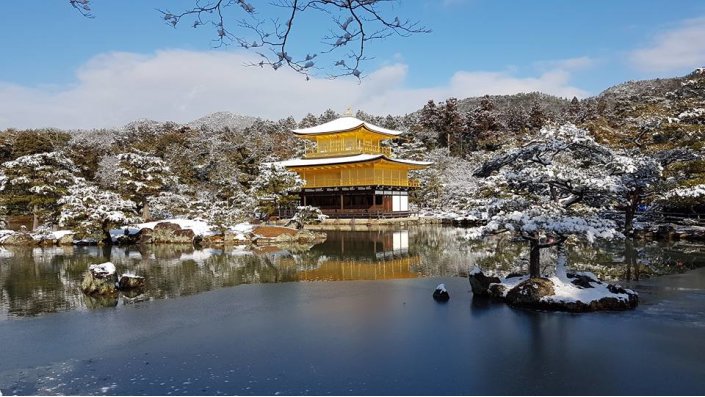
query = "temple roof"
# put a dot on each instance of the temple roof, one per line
(349, 159)
(344, 124)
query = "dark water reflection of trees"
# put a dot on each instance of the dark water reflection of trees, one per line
(45, 280)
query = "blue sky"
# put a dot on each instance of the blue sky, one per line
(60, 69)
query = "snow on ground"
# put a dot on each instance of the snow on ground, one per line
(565, 291)
(61, 233)
(4, 234)
(241, 229)
(51, 235)
(569, 292)
(38, 236)
(511, 283)
(200, 228)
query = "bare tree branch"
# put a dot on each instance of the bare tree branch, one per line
(352, 24)
(83, 6)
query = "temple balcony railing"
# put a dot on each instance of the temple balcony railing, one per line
(334, 149)
(316, 182)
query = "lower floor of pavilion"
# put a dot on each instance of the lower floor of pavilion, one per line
(358, 202)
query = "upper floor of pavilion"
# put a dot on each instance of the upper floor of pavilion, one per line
(346, 136)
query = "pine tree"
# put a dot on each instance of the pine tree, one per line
(90, 210)
(452, 126)
(34, 184)
(273, 186)
(537, 118)
(140, 176)
(574, 110)
(328, 115)
(430, 116)
(308, 121)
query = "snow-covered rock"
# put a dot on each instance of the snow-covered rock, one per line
(480, 283)
(130, 281)
(100, 280)
(102, 270)
(440, 294)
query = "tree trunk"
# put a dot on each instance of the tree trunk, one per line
(107, 238)
(145, 212)
(561, 262)
(630, 260)
(35, 218)
(630, 211)
(534, 259)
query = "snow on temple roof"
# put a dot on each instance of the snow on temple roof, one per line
(346, 160)
(343, 124)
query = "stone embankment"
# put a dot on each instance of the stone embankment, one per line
(42, 238)
(174, 232)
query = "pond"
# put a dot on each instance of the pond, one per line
(351, 316)
(45, 280)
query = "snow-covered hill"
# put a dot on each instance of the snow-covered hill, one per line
(220, 120)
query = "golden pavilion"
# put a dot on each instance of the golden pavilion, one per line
(348, 173)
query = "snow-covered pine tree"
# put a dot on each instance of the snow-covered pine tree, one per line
(274, 185)
(140, 176)
(92, 211)
(33, 184)
(550, 191)
(310, 120)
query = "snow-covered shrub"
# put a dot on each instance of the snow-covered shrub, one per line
(274, 186)
(140, 176)
(92, 211)
(34, 183)
(309, 214)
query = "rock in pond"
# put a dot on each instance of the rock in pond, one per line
(131, 281)
(100, 280)
(480, 283)
(529, 293)
(441, 293)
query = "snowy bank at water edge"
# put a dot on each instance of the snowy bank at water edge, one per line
(180, 231)
(38, 237)
(576, 292)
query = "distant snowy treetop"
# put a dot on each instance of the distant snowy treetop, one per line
(344, 124)
(220, 120)
(142, 124)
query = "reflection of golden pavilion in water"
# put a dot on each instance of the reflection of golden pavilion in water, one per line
(363, 256)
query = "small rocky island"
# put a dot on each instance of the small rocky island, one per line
(575, 292)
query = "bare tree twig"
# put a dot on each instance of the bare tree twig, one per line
(354, 24)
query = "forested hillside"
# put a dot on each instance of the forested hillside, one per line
(210, 168)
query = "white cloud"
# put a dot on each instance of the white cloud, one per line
(568, 64)
(680, 48)
(115, 88)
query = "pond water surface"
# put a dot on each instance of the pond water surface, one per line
(353, 315)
